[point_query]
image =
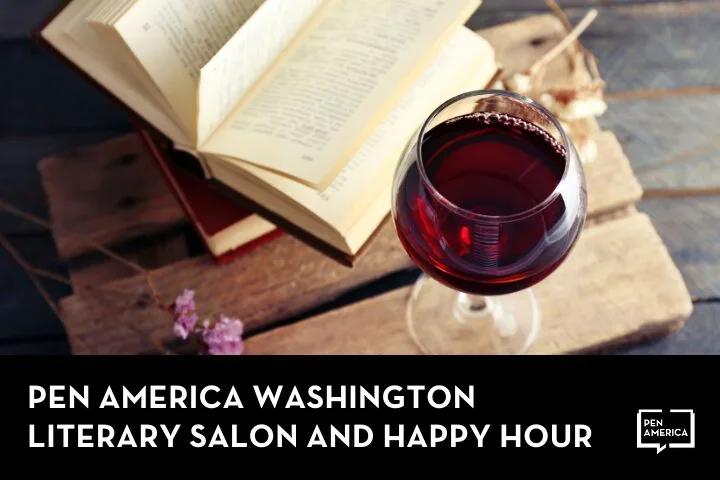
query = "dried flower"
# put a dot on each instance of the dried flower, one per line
(185, 316)
(225, 337)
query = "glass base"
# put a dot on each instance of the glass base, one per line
(443, 321)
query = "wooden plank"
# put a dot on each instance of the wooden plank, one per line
(642, 47)
(277, 281)
(109, 193)
(151, 253)
(672, 143)
(285, 278)
(619, 285)
(690, 228)
(699, 336)
(19, 180)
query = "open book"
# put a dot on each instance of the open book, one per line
(301, 107)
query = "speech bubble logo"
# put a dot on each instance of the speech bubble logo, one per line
(660, 430)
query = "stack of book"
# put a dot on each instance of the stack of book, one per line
(277, 115)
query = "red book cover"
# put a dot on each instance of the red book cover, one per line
(227, 229)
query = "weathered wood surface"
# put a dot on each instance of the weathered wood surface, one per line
(108, 193)
(673, 143)
(699, 336)
(19, 181)
(277, 281)
(656, 45)
(152, 253)
(690, 227)
(618, 286)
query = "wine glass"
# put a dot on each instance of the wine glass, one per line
(489, 198)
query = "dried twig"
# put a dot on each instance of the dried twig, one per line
(38, 221)
(564, 43)
(29, 271)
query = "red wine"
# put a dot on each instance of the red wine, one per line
(489, 218)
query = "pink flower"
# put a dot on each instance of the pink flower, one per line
(185, 302)
(185, 316)
(225, 337)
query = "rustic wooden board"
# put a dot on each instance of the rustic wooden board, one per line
(153, 253)
(672, 142)
(109, 193)
(620, 285)
(18, 173)
(699, 336)
(690, 227)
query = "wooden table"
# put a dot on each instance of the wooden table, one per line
(657, 59)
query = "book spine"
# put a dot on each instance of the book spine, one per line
(160, 159)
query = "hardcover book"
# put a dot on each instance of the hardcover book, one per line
(296, 110)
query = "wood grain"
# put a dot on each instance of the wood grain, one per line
(644, 47)
(277, 281)
(672, 143)
(691, 228)
(19, 182)
(108, 193)
(697, 337)
(643, 295)
(153, 253)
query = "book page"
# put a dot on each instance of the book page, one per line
(327, 92)
(69, 34)
(102, 42)
(246, 56)
(174, 39)
(466, 61)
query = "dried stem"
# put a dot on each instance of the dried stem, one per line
(49, 275)
(38, 221)
(560, 14)
(567, 41)
(29, 271)
(577, 57)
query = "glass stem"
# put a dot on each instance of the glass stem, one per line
(473, 308)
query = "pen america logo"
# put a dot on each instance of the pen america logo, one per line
(660, 429)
